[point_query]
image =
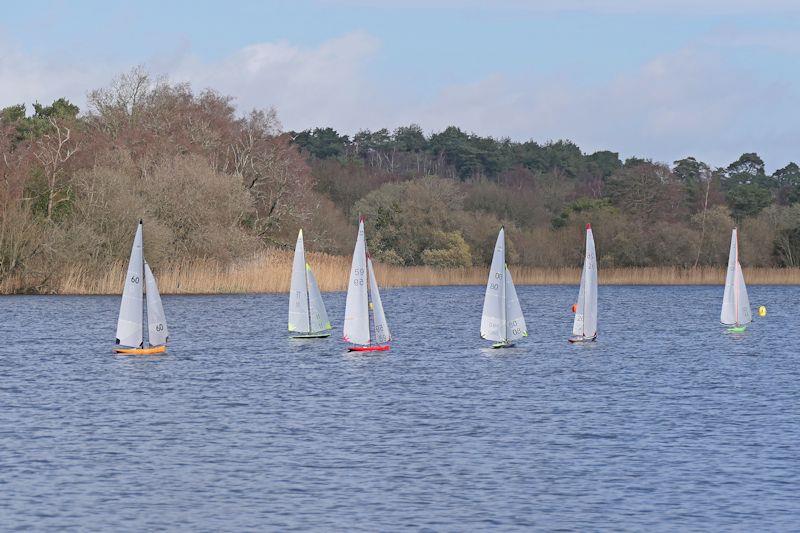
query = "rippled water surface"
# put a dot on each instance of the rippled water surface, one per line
(666, 422)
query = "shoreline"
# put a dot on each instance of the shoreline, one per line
(390, 287)
(269, 273)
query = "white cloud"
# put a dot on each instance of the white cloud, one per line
(308, 86)
(689, 102)
(684, 103)
(26, 78)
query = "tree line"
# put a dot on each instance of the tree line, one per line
(215, 185)
(438, 199)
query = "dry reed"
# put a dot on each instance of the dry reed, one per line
(269, 272)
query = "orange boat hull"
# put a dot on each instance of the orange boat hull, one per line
(141, 351)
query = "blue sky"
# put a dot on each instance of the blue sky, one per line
(660, 79)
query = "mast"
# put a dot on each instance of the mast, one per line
(370, 305)
(144, 285)
(308, 292)
(583, 280)
(503, 307)
(735, 273)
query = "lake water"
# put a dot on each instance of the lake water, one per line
(665, 423)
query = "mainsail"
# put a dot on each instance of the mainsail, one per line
(493, 320)
(156, 319)
(735, 303)
(585, 324)
(356, 309)
(299, 317)
(129, 324)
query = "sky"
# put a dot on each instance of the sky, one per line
(661, 79)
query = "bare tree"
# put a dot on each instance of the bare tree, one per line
(115, 107)
(707, 177)
(273, 171)
(53, 150)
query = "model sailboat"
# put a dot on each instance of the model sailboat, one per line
(502, 319)
(307, 316)
(585, 326)
(735, 303)
(362, 297)
(129, 324)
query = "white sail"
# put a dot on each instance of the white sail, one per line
(735, 303)
(299, 317)
(493, 320)
(515, 322)
(585, 324)
(129, 324)
(382, 333)
(316, 309)
(356, 309)
(156, 319)
(745, 316)
(728, 313)
(577, 324)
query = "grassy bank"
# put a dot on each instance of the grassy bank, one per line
(269, 272)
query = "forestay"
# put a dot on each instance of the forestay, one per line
(382, 333)
(356, 309)
(156, 319)
(129, 323)
(585, 324)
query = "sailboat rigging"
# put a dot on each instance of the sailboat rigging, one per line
(735, 303)
(364, 302)
(584, 327)
(502, 319)
(308, 318)
(129, 324)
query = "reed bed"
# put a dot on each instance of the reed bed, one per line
(270, 271)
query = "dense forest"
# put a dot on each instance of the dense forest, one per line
(213, 184)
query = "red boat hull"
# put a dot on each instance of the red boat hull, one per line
(381, 348)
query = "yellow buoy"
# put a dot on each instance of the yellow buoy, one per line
(762, 311)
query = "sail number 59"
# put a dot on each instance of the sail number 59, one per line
(358, 280)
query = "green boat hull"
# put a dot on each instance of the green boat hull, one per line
(312, 336)
(498, 345)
